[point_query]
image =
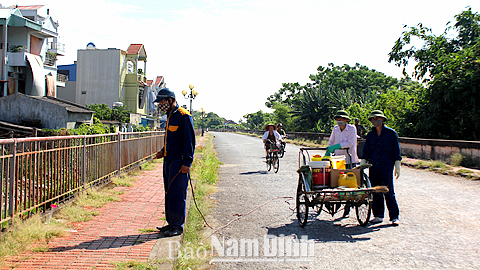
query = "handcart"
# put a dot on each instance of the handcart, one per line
(332, 199)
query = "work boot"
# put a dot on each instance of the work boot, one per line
(173, 232)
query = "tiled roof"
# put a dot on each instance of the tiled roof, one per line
(134, 48)
(33, 7)
(70, 106)
(158, 80)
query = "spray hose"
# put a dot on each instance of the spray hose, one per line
(239, 216)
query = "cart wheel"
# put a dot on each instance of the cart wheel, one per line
(363, 208)
(302, 204)
(319, 208)
(276, 163)
(269, 162)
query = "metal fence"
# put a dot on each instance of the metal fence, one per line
(36, 172)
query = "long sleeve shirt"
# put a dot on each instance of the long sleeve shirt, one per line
(179, 136)
(347, 139)
(275, 133)
(382, 150)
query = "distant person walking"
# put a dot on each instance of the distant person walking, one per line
(382, 150)
(178, 157)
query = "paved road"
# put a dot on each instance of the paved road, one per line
(439, 216)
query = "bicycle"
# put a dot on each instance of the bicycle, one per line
(283, 144)
(272, 158)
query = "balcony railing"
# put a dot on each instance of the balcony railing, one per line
(56, 47)
(62, 77)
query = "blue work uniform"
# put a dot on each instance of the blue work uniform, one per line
(382, 152)
(179, 149)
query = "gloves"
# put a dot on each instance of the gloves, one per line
(363, 162)
(397, 169)
(332, 148)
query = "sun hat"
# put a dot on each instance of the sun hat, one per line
(376, 113)
(274, 126)
(343, 114)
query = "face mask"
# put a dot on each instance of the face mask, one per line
(340, 123)
(377, 122)
(164, 106)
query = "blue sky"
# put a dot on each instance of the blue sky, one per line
(238, 52)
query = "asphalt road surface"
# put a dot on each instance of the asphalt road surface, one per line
(439, 219)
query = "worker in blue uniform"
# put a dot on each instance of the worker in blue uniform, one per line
(382, 150)
(177, 158)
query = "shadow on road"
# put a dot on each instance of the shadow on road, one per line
(108, 242)
(327, 230)
(257, 172)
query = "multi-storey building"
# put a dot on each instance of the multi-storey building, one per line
(29, 49)
(113, 76)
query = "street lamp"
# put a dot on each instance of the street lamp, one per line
(202, 115)
(190, 96)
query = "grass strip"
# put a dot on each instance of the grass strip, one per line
(205, 171)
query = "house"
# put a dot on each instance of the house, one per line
(69, 91)
(43, 112)
(113, 76)
(29, 49)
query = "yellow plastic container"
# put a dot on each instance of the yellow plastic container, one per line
(338, 162)
(320, 158)
(351, 180)
(342, 179)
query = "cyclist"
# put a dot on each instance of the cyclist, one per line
(270, 136)
(282, 133)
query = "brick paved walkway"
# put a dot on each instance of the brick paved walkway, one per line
(112, 236)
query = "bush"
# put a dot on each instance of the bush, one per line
(459, 159)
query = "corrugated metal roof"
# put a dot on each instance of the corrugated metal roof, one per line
(70, 106)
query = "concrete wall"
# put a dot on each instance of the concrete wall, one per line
(438, 149)
(67, 92)
(410, 147)
(25, 110)
(98, 76)
(20, 110)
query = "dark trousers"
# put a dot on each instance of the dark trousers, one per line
(383, 177)
(175, 193)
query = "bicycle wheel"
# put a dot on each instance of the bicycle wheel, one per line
(276, 163)
(363, 208)
(282, 150)
(302, 203)
(269, 162)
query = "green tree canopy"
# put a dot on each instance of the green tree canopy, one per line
(450, 66)
(313, 105)
(103, 112)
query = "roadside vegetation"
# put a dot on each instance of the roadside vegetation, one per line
(34, 233)
(205, 173)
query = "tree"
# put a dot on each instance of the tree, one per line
(258, 120)
(103, 112)
(449, 64)
(333, 88)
